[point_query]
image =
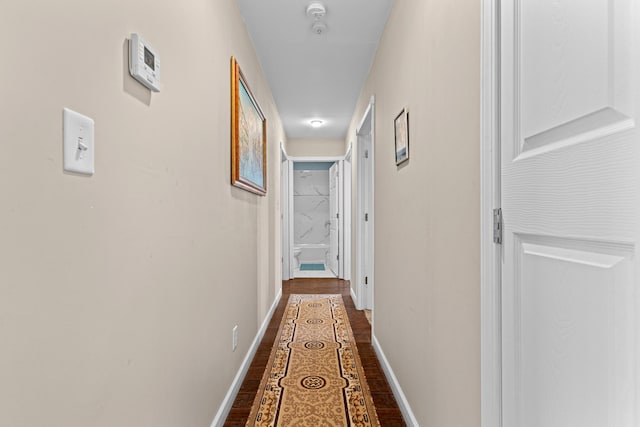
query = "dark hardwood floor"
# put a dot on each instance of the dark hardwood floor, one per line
(386, 406)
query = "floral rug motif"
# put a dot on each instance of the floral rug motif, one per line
(314, 376)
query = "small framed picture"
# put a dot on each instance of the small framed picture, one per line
(401, 130)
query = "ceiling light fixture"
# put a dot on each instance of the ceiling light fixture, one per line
(316, 123)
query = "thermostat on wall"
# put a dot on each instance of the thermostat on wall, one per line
(144, 64)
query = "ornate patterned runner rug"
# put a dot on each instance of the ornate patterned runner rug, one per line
(314, 376)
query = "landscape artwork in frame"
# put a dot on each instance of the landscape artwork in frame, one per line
(248, 136)
(401, 131)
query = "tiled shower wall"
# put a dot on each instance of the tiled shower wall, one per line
(311, 206)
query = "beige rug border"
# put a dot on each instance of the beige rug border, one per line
(265, 376)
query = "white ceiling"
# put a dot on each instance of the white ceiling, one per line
(315, 76)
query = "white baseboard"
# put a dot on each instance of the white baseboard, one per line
(354, 297)
(225, 407)
(403, 403)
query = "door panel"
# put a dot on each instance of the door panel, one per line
(565, 51)
(570, 334)
(570, 189)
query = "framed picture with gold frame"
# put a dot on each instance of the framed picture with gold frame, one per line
(401, 132)
(248, 136)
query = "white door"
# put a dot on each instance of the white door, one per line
(334, 205)
(365, 220)
(345, 218)
(570, 189)
(284, 216)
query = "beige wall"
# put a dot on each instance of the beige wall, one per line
(315, 147)
(427, 259)
(118, 292)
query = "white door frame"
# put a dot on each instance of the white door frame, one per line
(490, 253)
(284, 213)
(339, 211)
(341, 215)
(365, 185)
(345, 220)
(344, 181)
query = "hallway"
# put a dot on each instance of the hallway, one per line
(386, 406)
(122, 291)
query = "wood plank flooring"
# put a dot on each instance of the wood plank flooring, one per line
(386, 406)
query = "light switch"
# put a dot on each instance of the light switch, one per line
(78, 142)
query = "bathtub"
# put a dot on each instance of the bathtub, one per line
(307, 253)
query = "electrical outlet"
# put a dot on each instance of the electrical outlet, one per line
(234, 338)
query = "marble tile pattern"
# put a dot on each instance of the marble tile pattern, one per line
(311, 207)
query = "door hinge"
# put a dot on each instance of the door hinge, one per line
(366, 154)
(366, 280)
(497, 226)
(366, 217)
(338, 257)
(337, 216)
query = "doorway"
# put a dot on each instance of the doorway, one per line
(315, 218)
(315, 212)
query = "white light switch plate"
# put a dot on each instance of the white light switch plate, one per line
(78, 142)
(234, 338)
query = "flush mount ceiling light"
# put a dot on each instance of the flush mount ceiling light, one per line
(316, 123)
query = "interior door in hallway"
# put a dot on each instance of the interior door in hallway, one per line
(570, 191)
(365, 220)
(334, 208)
(285, 209)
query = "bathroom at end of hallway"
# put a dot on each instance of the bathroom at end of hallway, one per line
(316, 192)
